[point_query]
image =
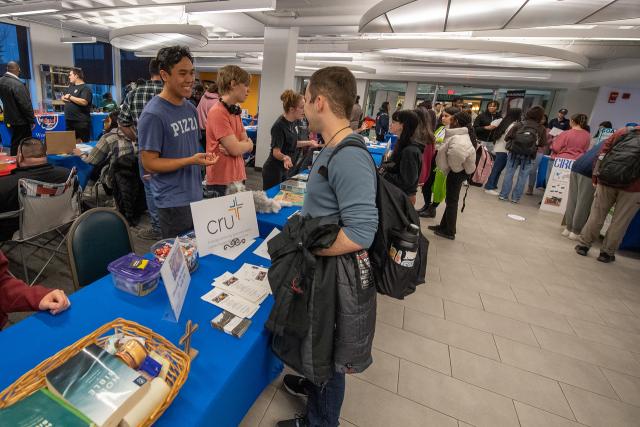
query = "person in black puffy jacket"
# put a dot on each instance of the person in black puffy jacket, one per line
(403, 169)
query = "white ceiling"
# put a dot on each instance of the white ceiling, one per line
(551, 41)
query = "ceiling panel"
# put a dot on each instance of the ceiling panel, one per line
(478, 15)
(421, 16)
(545, 13)
(627, 9)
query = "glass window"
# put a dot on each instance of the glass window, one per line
(14, 46)
(381, 91)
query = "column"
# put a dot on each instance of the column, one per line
(117, 76)
(278, 68)
(410, 96)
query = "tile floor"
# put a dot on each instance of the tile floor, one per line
(512, 328)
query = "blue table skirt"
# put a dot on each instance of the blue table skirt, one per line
(267, 222)
(252, 133)
(226, 377)
(541, 177)
(54, 122)
(70, 161)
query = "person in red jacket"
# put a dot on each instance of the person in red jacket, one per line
(15, 295)
(626, 200)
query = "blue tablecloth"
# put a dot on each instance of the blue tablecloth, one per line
(377, 153)
(267, 222)
(631, 240)
(54, 122)
(70, 161)
(252, 133)
(541, 177)
(226, 377)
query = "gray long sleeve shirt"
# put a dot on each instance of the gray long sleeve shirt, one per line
(349, 191)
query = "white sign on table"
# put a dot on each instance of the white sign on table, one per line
(176, 278)
(557, 191)
(225, 226)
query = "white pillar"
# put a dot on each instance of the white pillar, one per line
(117, 76)
(278, 68)
(410, 96)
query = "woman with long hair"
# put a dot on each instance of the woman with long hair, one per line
(523, 141)
(284, 140)
(456, 158)
(482, 124)
(403, 168)
(429, 208)
(500, 148)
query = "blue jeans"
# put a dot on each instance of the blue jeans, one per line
(513, 163)
(533, 175)
(498, 165)
(324, 402)
(151, 206)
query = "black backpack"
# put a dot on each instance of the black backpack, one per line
(621, 165)
(524, 141)
(395, 213)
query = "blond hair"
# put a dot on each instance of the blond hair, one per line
(290, 99)
(231, 73)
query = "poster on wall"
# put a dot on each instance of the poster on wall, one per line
(515, 98)
(557, 191)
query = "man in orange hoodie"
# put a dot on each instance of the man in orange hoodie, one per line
(15, 295)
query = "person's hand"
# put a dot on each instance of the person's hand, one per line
(286, 161)
(223, 150)
(77, 152)
(490, 127)
(55, 302)
(204, 159)
(66, 98)
(313, 144)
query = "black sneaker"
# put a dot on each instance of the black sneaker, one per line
(429, 212)
(582, 250)
(296, 385)
(441, 233)
(606, 258)
(298, 421)
(434, 227)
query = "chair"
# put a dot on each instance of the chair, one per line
(96, 238)
(44, 207)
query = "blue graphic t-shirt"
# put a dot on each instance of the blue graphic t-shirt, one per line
(172, 130)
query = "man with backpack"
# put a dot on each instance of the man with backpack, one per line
(346, 189)
(617, 179)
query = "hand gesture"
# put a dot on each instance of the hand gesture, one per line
(286, 161)
(223, 150)
(66, 98)
(204, 159)
(55, 302)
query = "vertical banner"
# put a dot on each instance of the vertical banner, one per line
(557, 191)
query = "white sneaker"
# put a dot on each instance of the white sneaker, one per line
(565, 233)
(492, 192)
(573, 236)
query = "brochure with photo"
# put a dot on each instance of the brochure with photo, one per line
(251, 291)
(232, 303)
(231, 324)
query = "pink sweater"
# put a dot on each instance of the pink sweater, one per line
(570, 144)
(207, 101)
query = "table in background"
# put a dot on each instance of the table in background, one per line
(377, 153)
(226, 377)
(268, 221)
(70, 160)
(54, 122)
(541, 177)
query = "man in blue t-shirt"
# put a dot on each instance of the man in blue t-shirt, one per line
(169, 140)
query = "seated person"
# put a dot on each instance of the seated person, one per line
(15, 295)
(32, 164)
(111, 146)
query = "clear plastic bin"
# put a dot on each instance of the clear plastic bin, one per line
(135, 274)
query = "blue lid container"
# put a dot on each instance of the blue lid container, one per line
(135, 274)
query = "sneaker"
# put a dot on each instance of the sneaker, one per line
(566, 233)
(503, 199)
(515, 202)
(492, 192)
(296, 385)
(606, 258)
(298, 421)
(582, 250)
(149, 234)
(434, 227)
(573, 236)
(443, 234)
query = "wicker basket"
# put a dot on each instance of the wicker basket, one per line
(177, 375)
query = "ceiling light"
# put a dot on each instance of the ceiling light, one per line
(31, 8)
(231, 6)
(157, 36)
(78, 39)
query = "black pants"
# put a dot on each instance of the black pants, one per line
(20, 132)
(428, 185)
(82, 129)
(175, 221)
(450, 216)
(273, 173)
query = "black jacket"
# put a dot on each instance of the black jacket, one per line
(323, 319)
(484, 119)
(128, 189)
(404, 169)
(16, 102)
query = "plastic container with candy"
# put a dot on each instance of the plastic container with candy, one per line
(135, 274)
(161, 249)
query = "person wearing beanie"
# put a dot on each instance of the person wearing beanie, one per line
(457, 159)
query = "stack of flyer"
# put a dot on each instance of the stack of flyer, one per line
(240, 293)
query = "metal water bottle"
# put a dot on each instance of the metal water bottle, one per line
(404, 245)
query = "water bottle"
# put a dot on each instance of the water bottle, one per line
(404, 245)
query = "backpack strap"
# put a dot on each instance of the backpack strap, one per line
(324, 170)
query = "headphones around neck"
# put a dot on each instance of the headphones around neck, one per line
(232, 109)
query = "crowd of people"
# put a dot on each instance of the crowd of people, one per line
(190, 142)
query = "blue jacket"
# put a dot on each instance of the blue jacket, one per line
(584, 164)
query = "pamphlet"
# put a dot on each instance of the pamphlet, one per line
(231, 303)
(555, 131)
(496, 122)
(251, 291)
(255, 274)
(263, 249)
(230, 324)
(289, 199)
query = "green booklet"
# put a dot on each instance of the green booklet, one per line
(98, 384)
(42, 408)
